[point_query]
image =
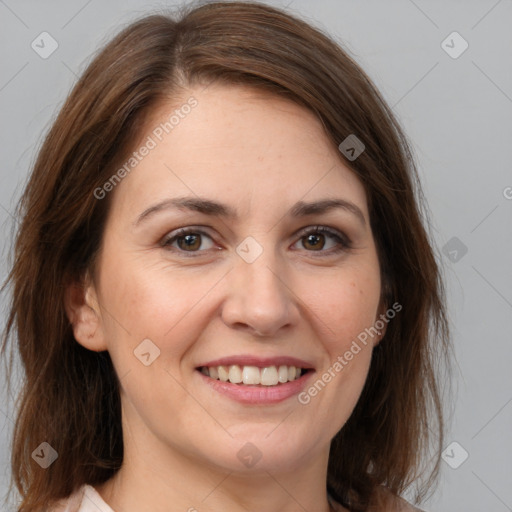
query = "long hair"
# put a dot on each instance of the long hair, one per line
(70, 395)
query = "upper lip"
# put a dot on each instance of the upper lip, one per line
(260, 362)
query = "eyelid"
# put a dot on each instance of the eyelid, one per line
(181, 232)
(321, 228)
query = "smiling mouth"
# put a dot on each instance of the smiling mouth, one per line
(253, 375)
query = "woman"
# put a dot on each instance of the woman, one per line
(224, 294)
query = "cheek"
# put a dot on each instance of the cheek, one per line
(141, 302)
(156, 302)
(151, 323)
(345, 306)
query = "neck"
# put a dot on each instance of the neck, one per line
(178, 481)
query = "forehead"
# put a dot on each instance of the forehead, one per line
(239, 144)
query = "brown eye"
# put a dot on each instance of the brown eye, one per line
(316, 239)
(187, 240)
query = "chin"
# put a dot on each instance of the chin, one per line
(258, 448)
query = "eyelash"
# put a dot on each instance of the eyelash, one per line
(344, 243)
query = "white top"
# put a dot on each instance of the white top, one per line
(85, 499)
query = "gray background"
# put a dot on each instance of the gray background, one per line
(456, 111)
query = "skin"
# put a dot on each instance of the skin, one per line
(259, 154)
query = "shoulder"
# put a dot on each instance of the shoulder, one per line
(402, 505)
(398, 505)
(389, 502)
(70, 504)
(383, 501)
(84, 499)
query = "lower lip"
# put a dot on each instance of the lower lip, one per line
(257, 394)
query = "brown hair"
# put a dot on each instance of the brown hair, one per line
(70, 395)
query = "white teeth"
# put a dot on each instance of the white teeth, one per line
(252, 375)
(223, 373)
(282, 375)
(269, 376)
(235, 374)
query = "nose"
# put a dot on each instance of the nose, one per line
(259, 300)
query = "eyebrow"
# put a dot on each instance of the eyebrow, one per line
(216, 209)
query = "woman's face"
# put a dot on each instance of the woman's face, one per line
(253, 285)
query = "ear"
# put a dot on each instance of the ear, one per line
(380, 319)
(83, 311)
(386, 298)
